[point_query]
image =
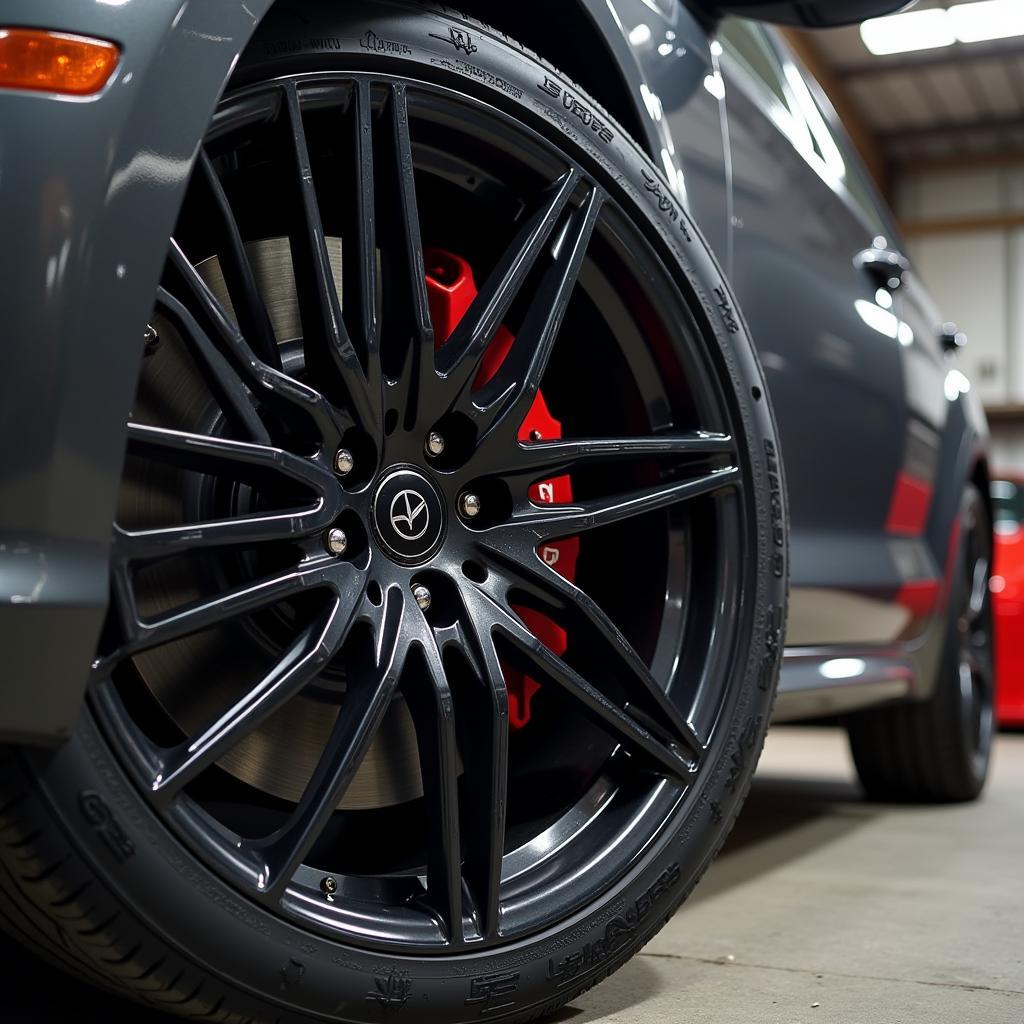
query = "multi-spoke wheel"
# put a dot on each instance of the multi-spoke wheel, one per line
(939, 749)
(448, 571)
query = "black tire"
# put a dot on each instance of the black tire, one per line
(96, 878)
(938, 750)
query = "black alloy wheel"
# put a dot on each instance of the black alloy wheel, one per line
(394, 671)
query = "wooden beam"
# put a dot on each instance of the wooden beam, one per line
(956, 56)
(856, 125)
(941, 130)
(957, 162)
(959, 225)
(1005, 413)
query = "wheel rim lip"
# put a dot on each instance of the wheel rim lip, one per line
(667, 810)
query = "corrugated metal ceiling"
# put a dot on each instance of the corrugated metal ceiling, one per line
(961, 100)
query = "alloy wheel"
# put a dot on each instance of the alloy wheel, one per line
(329, 503)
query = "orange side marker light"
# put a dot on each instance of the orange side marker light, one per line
(42, 61)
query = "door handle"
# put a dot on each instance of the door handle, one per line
(885, 266)
(951, 337)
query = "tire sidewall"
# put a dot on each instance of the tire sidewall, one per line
(265, 958)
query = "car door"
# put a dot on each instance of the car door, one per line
(810, 248)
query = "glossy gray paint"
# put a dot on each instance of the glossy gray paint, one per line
(89, 191)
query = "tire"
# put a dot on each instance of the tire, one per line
(938, 750)
(155, 897)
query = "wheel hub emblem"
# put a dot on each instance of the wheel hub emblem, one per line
(407, 508)
(408, 515)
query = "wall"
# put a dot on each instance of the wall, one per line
(965, 235)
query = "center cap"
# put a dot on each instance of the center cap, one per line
(408, 515)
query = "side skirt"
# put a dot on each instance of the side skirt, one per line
(819, 682)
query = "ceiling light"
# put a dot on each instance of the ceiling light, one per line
(990, 19)
(901, 33)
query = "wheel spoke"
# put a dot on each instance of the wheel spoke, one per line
(508, 396)
(224, 380)
(528, 462)
(429, 699)
(460, 358)
(199, 615)
(328, 349)
(530, 655)
(371, 687)
(206, 452)
(574, 608)
(297, 667)
(227, 343)
(549, 522)
(484, 745)
(359, 243)
(402, 246)
(250, 309)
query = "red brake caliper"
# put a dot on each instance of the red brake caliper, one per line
(451, 289)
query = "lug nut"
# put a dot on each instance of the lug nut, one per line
(435, 443)
(150, 339)
(336, 541)
(469, 505)
(422, 596)
(343, 462)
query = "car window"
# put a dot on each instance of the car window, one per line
(852, 173)
(1008, 503)
(801, 112)
(747, 43)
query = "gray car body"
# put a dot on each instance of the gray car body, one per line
(89, 192)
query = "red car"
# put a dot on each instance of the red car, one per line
(1008, 587)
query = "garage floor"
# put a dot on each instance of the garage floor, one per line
(822, 908)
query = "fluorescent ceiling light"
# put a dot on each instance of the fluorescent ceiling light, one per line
(901, 33)
(990, 19)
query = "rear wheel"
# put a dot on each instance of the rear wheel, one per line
(449, 565)
(939, 749)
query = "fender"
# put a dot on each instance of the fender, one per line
(91, 191)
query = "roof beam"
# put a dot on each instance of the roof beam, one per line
(960, 162)
(959, 225)
(957, 56)
(943, 130)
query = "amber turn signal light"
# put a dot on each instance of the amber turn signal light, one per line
(55, 62)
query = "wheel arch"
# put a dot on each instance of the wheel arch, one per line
(79, 180)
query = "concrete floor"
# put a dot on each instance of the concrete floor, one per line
(821, 908)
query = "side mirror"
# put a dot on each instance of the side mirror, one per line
(808, 13)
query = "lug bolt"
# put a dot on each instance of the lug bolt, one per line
(336, 541)
(422, 596)
(435, 443)
(328, 886)
(469, 505)
(343, 462)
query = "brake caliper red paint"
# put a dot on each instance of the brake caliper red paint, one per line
(451, 289)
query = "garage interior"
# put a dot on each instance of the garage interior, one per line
(823, 906)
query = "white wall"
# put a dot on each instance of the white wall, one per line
(977, 278)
